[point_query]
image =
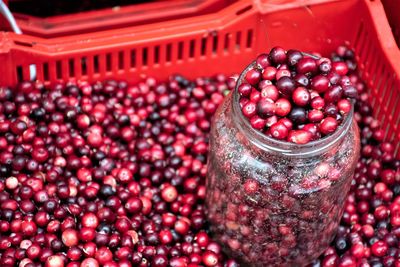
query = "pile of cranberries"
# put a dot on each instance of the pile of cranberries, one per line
(296, 97)
(112, 174)
(369, 233)
(108, 174)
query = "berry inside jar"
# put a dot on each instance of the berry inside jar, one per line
(283, 149)
(296, 97)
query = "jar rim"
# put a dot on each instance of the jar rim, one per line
(291, 149)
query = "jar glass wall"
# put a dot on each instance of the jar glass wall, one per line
(274, 203)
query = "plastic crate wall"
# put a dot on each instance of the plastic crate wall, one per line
(392, 8)
(113, 17)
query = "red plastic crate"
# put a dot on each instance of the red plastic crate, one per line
(392, 8)
(112, 18)
(224, 41)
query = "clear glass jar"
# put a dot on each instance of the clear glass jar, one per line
(274, 203)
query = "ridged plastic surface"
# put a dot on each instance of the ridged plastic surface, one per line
(225, 42)
(114, 17)
(392, 8)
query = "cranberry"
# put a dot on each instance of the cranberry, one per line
(334, 94)
(54, 261)
(379, 248)
(279, 131)
(210, 258)
(169, 193)
(340, 68)
(265, 108)
(70, 237)
(293, 57)
(298, 115)
(245, 89)
(269, 73)
(299, 136)
(283, 107)
(251, 186)
(249, 109)
(270, 91)
(320, 83)
(90, 262)
(257, 122)
(90, 220)
(328, 125)
(301, 96)
(306, 65)
(263, 61)
(253, 76)
(286, 85)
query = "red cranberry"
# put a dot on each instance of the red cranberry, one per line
(279, 131)
(245, 89)
(54, 261)
(333, 94)
(70, 237)
(328, 125)
(320, 83)
(379, 248)
(293, 57)
(265, 108)
(286, 85)
(298, 115)
(269, 91)
(269, 73)
(253, 76)
(306, 65)
(90, 262)
(299, 136)
(283, 107)
(210, 258)
(277, 55)
(263, 61)
(169, 193)
(301, 96)
(340, 68)
(249, 109)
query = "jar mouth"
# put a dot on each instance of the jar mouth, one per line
(291, 149)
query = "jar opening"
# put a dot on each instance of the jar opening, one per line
(291, 149)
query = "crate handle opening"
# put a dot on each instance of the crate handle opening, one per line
(243, 10)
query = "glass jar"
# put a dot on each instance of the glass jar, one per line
(274, 203)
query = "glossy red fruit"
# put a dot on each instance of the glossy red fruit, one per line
(282, 107)
(279, 131)
(328, 125)
(299, 137)
(301, 96)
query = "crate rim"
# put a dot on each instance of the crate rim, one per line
(134, 14)
(95, 41)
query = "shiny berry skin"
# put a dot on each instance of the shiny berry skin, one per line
(270, 91)
(245, 89)
(209, 259)
(286, 86)
(277, 55)
(328, 125)
(249, 109)
(379, 248)
(282, 107)
(298, 115)
(299, 136)
(279, 131)
(320, 83)
(253, 77)
(265, 108)
(301, 96)
(306, 65)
